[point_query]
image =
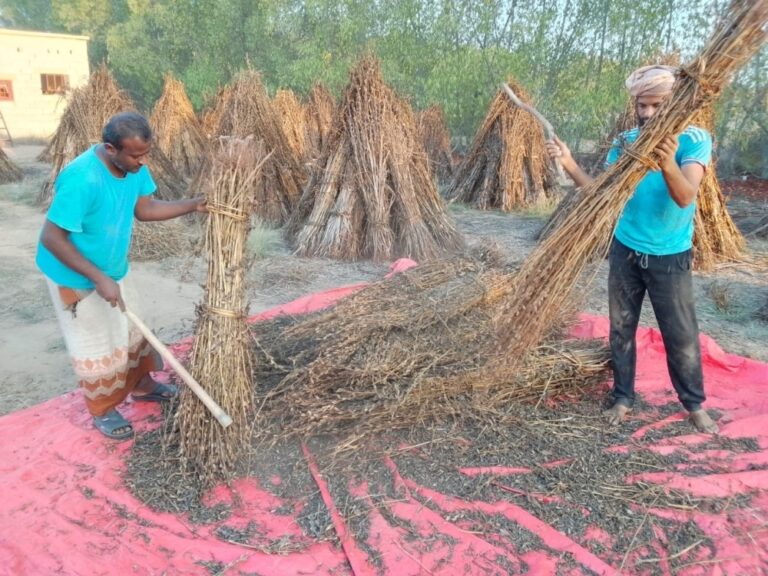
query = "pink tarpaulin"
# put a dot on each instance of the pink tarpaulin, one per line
(65, 508)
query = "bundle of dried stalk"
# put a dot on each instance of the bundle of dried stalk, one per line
(88, 110)
(292, 118)
(318, 118)
(211, 114)
(158, 240)
(9, 172)
(549, 274)
(221, 359)
(716, 238)
(248, 111)
(415, 349)
(371, 195)
(437, 142)
(177, 131)
(507, 166)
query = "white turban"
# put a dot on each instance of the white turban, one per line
(655, 80)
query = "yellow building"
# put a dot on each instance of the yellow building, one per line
(36, 71)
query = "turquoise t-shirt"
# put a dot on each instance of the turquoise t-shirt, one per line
(652, 223)
(96, 207)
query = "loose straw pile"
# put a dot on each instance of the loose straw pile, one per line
(548, 276)
(221, 357)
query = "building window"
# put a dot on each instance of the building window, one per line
(6, 90)
(54, 83)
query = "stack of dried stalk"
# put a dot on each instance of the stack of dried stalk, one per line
(9, 172)
(318, 117)
(221, 358)
(716, 238)
(292, 119)
(88, 110)
(211, 114)
(507, 166)
(371, 195)
(548, 276)
(178, 133)
(248, 111)
(437, 142)
(416, 349)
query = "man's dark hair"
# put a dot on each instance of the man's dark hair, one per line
(123, 126)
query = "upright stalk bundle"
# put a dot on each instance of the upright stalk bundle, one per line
(292, 119)
(178, 132)
(80, 127)
(437, 142)
(371, 195)
(221, 358)
(507, 166)
(248, 111)
(211, 115)
(318, 117)
(546, 280)
(9, 172)
(715, 236)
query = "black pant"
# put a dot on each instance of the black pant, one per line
(667, 279)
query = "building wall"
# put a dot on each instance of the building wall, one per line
(24, 57)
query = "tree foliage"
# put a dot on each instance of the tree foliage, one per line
(572, 55)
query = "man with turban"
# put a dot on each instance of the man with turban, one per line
(652, 251)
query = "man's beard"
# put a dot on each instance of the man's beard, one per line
(642, 121)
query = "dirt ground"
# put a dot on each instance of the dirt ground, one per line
(33, 361)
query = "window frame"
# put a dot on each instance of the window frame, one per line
(7, 83)
(53, 84)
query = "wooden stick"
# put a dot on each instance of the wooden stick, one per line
(549, 132)
(222, 417)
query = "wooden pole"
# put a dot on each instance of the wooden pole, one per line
(222, 417)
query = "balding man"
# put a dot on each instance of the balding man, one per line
(652, 251)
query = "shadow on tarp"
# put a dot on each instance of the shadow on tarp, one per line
(65, 509)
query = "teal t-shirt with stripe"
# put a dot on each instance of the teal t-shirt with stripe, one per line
(651, 222)
(96, 208)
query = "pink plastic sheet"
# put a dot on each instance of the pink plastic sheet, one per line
(65, 509)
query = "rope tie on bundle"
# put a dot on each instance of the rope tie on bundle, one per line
(228, 211)
(224, 312)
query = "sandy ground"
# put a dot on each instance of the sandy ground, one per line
(34, 365)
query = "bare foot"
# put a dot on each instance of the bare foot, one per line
(616, 413)
(703, 422)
